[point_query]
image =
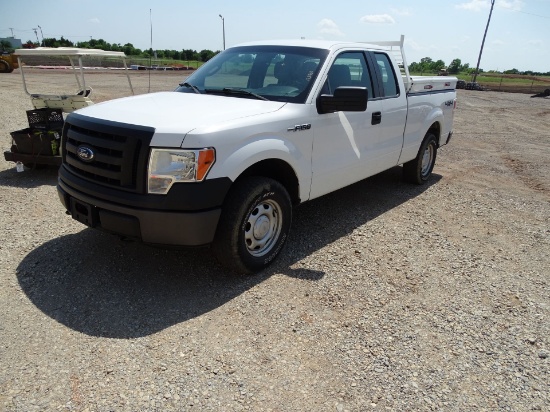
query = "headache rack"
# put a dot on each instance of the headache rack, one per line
(395, 48)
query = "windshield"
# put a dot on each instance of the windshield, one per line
(280, 73)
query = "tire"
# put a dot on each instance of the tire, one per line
(419, 169)
(254, 225)
(5, 67)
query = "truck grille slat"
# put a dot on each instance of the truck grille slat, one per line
(119, 152)
(95, 140)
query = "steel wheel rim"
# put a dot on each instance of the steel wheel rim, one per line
(427, 160)
(263, 227)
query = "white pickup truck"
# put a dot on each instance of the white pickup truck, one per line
(257, 130)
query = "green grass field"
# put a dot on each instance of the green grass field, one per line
(507, 82)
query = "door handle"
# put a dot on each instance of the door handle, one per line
(376, 118)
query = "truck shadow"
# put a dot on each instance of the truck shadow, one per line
(99, 285)
(30, 178)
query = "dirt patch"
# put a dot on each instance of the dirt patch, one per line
(388, 296)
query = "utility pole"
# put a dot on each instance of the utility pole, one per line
(36, 34)
(42, 35)
(223, 30)
(483, 42)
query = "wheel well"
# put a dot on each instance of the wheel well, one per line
(436, 130)
(277, 170)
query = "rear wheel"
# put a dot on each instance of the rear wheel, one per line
(254, 225)
(419, 169)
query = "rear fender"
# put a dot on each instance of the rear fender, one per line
(414, 140)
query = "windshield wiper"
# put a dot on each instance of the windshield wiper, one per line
(231, 90)
(195, 88)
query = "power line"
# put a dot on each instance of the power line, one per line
(523, 12)
(532, 14)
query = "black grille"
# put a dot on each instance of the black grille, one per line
(120, 151)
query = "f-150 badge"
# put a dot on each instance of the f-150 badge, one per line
(299, 127)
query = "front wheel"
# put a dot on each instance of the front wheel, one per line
(5, 67)
(254, 224)
(419, 169)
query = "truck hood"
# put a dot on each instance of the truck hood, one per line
(176, 114)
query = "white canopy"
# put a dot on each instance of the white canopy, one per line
(67, 51)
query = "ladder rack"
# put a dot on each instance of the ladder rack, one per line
(395, 48)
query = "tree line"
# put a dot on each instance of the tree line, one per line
(128, 49)
(426, 65)
(429, 66)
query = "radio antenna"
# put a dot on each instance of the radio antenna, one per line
(151, 51)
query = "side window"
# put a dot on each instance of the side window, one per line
(389, 81)
(349, 69)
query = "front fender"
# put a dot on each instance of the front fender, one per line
(237, 161)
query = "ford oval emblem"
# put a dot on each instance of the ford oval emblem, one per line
(85, 153)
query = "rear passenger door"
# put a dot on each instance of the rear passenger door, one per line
(394, 106)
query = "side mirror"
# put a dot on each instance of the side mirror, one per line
(345, 99)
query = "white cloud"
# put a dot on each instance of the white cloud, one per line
(478, 5)
(402, 12)
(474, 5)
(536, 43)
(414, 45)
(327, 26)
(515, 5)
(95, 20)
(378, 19)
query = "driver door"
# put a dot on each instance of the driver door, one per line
(347, 146)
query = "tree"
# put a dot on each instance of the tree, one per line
(438, 65)
(454, 67)
(425, 63)
(189, 54)
(128, 49)
(206, 55)
(6, 46)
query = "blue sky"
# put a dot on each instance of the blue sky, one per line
(518, 37)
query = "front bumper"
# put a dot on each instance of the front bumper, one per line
(150, 222)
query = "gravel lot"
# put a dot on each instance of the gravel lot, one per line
(387, 296)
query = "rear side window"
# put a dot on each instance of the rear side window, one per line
(389, 81)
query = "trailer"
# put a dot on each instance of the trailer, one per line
(39, 143)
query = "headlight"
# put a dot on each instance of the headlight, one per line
(169, 166)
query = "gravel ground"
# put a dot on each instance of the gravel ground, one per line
(387, 296)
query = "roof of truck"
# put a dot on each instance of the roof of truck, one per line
(317, 44)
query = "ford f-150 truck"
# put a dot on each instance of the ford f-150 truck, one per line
(260, 128)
